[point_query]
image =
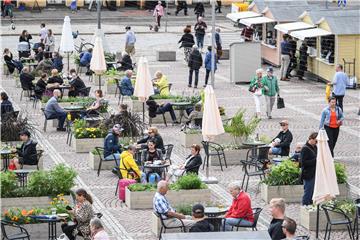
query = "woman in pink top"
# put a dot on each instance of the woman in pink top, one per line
(97, 230)
(158, 13)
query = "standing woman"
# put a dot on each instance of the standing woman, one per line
(332, 118)
(50, 43)
(256, 89)
(82, 214)
(158, 13)
(187, 41)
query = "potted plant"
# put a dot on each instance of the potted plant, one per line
(188, 189)
(11, 128)
(86, 138)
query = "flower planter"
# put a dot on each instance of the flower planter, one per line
(293, 193)
(36, 230)
(308, 219)
(94, 161)
(144, 200)
(110, 88)
(83, 145)
(233, 157)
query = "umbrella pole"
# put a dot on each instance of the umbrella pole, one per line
(99, 82)
(207, 162)
(317, 221)
(143, 112)
(68, 63)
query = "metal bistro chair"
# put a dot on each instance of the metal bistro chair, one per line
(118, 88)
(255, 214)
(214, 149)
(163, 115)
(21, 233)
(69, 131)
(164, 227)
(257, 172)
(356, 222)
(84, 92)
(39, 155)
(46, 119)
(100, 152)
(260, 158)
(168, 151)
(25, 90)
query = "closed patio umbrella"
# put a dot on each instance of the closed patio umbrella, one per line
(67, 41)
(98, 63)
(326, 187)
(143, 84)
(211, 123)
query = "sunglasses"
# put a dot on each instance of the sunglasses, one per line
(283, 124)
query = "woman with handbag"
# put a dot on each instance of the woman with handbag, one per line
(256, 89)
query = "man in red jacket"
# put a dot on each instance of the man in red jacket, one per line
(240, 212)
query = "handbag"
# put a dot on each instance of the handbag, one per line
(280, 102)
(252, 89)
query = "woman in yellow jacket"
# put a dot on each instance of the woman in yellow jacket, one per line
(162, 84)
(128, 167)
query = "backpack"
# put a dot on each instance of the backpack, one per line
(154, 178)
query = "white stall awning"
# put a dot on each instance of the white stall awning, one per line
(314, 32)
(256, 20)
(235, 17)
(288, 27)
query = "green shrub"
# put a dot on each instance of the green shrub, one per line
(285, 173)
(8, 183)
(237, 127)
(139, 187)
(341, 174)
(39, 183)
(185, 209)
(61, 179)
(189, 181)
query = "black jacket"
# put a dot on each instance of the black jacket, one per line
(78, 86)
(6, 107)
(200, 28)
(28, 153)
(308, 161)
(194, 164)
(152, 107)
(199, 9)
(195, 60)
(145, 155)
(202, 226)
(126, 63)
(159, 143)
(275, 229)
(26, 81)
(55, 79)
(8, 60)
(187, 40)
(286, 139)
(40, 87)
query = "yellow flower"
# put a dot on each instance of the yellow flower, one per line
(52, 203)
(54, 199)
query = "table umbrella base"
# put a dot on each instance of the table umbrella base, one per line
(209, 180)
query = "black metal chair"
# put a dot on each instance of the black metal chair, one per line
(343, 220)
(258, 156)
(20, 232)
(163, 115)
(39, 155)
(27, 91)
(121, 96)
(84, 92)
(356, 222)
(246, 167)
(100, 152)
(216, 150)
(194, 169)
(255, 214)
(168, 151)
(69, 131)
(46, 119)
(164, 227)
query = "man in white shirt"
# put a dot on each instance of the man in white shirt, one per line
(130, 41)
(43, 32)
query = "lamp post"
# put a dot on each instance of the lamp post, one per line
(213, 44)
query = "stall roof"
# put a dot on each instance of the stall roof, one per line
(256, 20)
(288, 27)
(317, 14)
(262, 4)
(286, 13)
(235, 17)
(314, 32)
(343, 25)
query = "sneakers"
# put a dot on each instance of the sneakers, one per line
(189, 85)
(176, 122)
(61, 129)
(195, 86)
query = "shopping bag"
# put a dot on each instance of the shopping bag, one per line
(280, 102)
(327, 92)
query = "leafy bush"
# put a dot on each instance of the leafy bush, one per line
(85, 101)
(61, 179)
(285, 173)
(185, 209)
(237, 127)
(341, 174)
(189, 181)
(39, 183)
(131, 122)
(82, 131)
(11, 127)
(139, 187)
(8, 183)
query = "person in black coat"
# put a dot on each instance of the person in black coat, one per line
(182, 4)
(201, 223)
(293, 60)
(26, 79)
(281, 143)
(303, 60)
(308, 167)
(55, 78)
(194, 64)
(153, 134)
(27, 151)
(187, 41)
(57, 61)
(155, 109)
(39, 56)
(77, 85)
(199, 10)
(40, 86)
(126, 62)
(6, 106)
(10, 62)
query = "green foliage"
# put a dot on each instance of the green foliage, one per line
(110, 57)
(237, 127)
(8, 183)
(22, 216)
(285, 173)
(139, 187)
(39, 183)
(77, 59)
(11, 127)
(131, 122)
(83, 100)
(61, 179)
(189, 181)
(185, 209)
(193, 99)
(265, 139)
(341, 174)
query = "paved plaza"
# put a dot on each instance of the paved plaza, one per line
(304, 101)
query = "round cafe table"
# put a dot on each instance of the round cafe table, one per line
(157, 167)
(5, 156)
(214, 216)
(74, 108)
(253, 145)
(182, 106)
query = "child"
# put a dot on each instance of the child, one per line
(296, 155)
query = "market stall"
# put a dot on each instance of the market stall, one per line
(237, 16)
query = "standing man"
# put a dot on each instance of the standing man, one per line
(270, 89)
(181, 4)
(218, 44)
(200, 28)
(54, 111)
(194, 64)
(339, 83)
(285, 57)
(218, 7)
(130, 41)
(208, 64)
(43, 33)
(277, 209)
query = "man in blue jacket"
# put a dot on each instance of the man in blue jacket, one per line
(126, 87)
(208, 64)
(112, 149)
(85, 59)
(54, 111)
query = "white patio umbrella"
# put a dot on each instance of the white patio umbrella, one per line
(98, 63)
(326, 187)
(67, 40)
(211, 123)
(143, 84)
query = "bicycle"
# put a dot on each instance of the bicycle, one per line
(84, 45)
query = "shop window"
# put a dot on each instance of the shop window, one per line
(327, 48)
(311, 43)
(271, 34)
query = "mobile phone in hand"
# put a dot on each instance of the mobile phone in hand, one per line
(68, 208)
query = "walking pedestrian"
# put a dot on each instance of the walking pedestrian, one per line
(270, 89)
(200, 28)
(256, 88)
(130, 41)
(303, 60)
(208, 64)
(181, 4)
(199, 10)
(158, 13)
(43, 33)
(49, 43)
(331, 119)
(218, 7)
(195, 63)
(285, 57)
(218, 44)
(293, 60)
(187, 41)
(339, 83)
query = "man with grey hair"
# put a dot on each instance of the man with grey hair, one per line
(339, 83)
(195, 62)
(162, 207)
(126, 86)
(240, 212)
(97, 230)
(54, 111)
(218, 43)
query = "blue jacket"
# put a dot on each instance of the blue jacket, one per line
(208, 61)
(325, 116)
(85, 58)
(126, 87)
(52, 107)
(111, 144)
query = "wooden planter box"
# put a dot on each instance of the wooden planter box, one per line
(187, 139)
(110, 88)
(36, 230)
(94, 161)
(308, 219)
(144, 200)
(293, 193)
(233, 157)
(86, 144)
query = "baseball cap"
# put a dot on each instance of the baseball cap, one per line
(198, 208)
(25, 132)
(270, 69)
(284, 122)
(117, 128)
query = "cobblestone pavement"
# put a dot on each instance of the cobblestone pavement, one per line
(304, 102)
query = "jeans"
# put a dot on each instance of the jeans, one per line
(68, 230)
(308, 191)
(270, 100)
(207, 76)
(333, 134)
(200, 41)
(112, 156)
(228, 223)
(339, 101)
(60, 116)
(276, 150)
(167, 108)
(196, 76)
(158, 19)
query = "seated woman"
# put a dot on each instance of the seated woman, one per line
(40, 86)
(6, 106)
(55, 78)
(148, 156)
(128, 167)
(162, 84)
(81, 214)
(26, 79)
(155, 108)
(191, 165)
(27, 151)
(126, 62)
(44, 65)
(10, 62)
(95, 106)
(153, 134)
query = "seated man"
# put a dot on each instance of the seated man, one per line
(55, 78)
(162, 84)
(26, 79)
(85, 59)
(194, 114)
(191, 165)
(39, 56)
(27, 151)
(126, 62)
(54, 111)
(155, 108)
(162, 207)
(112, 149)
(281, 143)
(77, 85)
(295, 156)
(126, 86)
(57, 61)
(240, 212)
(277, 208)
(289, 228)
(153, 134)
(128, 167)
(44, 65)
(201, 224)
